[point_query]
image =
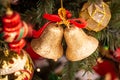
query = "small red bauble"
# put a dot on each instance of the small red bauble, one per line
(117, 54)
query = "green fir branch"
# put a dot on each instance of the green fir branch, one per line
(114, 25)
(45, 6)
(87, 63)
(69, 71)
(35, 16)
(72, 67)
(115, 11)
(36, 77)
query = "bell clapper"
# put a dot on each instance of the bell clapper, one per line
(55, 60)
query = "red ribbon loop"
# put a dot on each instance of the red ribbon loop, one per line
(51, 17)
(36, 34)
(78, 22)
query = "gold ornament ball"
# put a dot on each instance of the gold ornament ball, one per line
(14, 66)
(96, 15)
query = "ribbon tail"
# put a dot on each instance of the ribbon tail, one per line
(53, 18)
(31, 52)
(36, 34)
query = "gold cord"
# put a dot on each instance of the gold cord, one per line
(62, 15)
(61, 3)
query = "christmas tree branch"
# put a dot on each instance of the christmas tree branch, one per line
(72, 67)
(35, 16)
(69, 71)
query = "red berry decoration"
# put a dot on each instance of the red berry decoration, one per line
(31, 52)
(117, 54)
(105, 67)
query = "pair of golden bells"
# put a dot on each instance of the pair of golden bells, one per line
(79, 44)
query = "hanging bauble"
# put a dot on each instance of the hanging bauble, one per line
(48, 45)
(13, 28)
(15, 66)
(79, 44)
(97, 15)
(106, 69)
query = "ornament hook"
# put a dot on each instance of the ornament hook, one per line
(8, 8)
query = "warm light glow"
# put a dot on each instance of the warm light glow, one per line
(38, 69)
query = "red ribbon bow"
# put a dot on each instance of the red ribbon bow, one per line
(78, 22)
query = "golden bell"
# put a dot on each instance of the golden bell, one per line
(48, 45)
(79, 45)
